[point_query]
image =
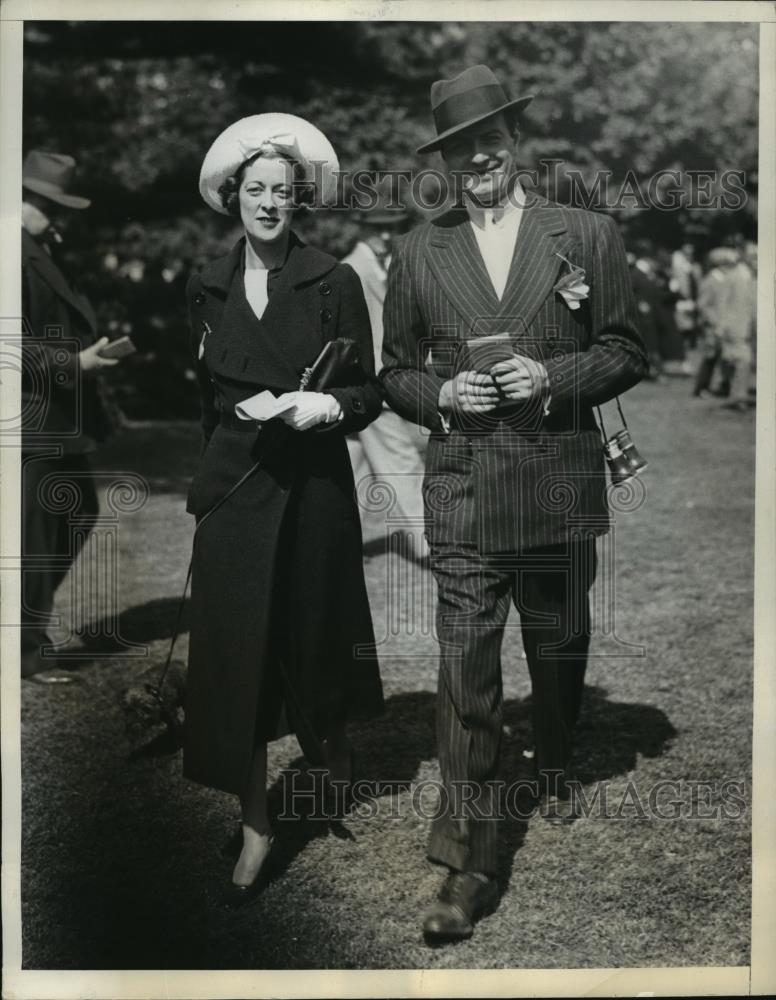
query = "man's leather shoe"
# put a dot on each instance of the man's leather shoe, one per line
(462, 900)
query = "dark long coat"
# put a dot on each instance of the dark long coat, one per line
(514, 479)
(59, 405)
(281, 634)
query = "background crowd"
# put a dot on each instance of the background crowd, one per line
(699, 319)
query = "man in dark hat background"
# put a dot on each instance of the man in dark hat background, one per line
(391, 451)
(63, 414)
(515, 474)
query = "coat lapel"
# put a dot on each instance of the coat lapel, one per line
(36, 257)
(217, 274)
(241, 335)
(535, 265)
(456, 262)
(243, 338)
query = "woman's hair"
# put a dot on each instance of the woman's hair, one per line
(303, 190)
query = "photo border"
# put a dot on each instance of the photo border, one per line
(760, 977)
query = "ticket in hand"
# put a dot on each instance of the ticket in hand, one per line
(265, 406)
(485, 352)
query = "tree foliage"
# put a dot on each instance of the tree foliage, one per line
(138, 104)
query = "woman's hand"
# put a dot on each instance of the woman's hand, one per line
(311, 409)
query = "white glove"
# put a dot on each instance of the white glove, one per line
(310, 409)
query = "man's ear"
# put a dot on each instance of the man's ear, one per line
(512, 125)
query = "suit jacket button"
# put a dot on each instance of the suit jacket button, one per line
(325, 315)
(324, 288)
(199, 299)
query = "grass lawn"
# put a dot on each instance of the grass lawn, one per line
(122, 862)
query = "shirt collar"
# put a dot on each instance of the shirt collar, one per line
(488, 218)
(372, 255)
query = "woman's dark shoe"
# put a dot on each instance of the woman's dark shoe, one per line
(462, 901)
(236, 895)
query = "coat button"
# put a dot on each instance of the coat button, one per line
(199, 299)
(325, 315)
(324, 288)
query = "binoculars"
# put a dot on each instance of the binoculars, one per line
(622, 457)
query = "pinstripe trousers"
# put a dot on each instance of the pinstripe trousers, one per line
(549, 587)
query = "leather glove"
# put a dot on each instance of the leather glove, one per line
(311, 409)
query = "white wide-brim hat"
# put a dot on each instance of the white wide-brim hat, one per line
(289, 135)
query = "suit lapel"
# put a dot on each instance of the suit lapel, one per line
(542, 235)
(456, 262)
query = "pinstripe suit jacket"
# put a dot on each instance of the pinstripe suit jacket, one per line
(516, 478)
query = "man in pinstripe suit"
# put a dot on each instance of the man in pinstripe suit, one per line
(515, 480)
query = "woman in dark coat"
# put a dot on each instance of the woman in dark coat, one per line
(281, 637)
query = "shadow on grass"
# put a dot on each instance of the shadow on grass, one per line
(166, 453)
(153, 903)
(392, 748)
(143, 623)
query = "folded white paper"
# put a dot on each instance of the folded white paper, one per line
(264, 405)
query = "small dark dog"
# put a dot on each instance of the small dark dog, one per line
(151, 711)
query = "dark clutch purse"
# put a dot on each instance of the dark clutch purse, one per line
(336, 367)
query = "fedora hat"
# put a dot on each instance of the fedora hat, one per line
(49, 175)
(287, 134)
(467, 99)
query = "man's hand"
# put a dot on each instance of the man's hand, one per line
(521, 378)
(92, 361)
(468, 392)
